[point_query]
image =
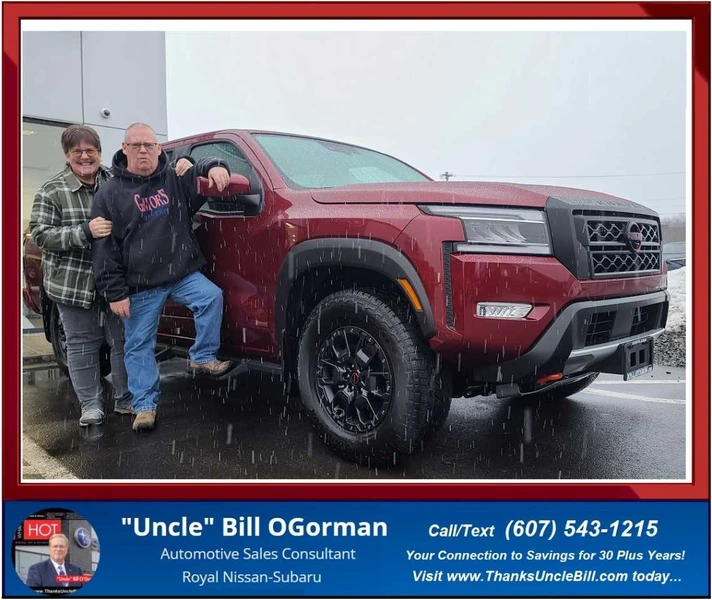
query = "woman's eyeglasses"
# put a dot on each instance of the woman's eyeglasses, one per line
(90, 153)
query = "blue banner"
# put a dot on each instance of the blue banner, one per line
(342, 549)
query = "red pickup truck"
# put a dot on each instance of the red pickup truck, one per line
(379, 294)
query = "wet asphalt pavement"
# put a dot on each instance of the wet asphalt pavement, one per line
(245, 428)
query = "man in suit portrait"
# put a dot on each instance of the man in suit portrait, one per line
(44, 573)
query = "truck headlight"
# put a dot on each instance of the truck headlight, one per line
(492, 230)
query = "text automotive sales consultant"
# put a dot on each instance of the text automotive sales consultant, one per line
(258, 554)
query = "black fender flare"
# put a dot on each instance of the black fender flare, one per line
(349, 252)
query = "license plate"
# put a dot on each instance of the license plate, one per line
(637, 358)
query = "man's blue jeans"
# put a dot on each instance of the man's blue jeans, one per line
(205, 301)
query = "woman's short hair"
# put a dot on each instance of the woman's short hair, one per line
(74, 134)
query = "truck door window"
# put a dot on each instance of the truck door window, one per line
(229, 153)
(224, 151)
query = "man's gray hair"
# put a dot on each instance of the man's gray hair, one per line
(138, 124)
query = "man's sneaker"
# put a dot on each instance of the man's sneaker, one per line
(91, 416)
(123, 406)
(145, 419)
(214, 368)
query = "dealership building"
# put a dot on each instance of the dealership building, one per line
(107, 80)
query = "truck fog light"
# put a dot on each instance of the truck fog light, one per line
(503, 310)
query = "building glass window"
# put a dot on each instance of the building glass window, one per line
(42, 158)
(27, 556)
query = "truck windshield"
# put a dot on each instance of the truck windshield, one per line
(313, 163)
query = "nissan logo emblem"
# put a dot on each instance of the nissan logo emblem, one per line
(633, 237)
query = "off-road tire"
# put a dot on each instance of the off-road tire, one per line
(419, 393)
(59, 342)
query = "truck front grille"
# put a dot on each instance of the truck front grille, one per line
(605, 262)
(621, 246)
(611, 325)
(599, 328)
(641, 317)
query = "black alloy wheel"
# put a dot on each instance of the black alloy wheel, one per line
(354, 379)
(369, 382)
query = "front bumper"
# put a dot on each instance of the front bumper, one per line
(572, 343)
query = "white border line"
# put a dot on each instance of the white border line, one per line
(386, 25)
(653, 382)
(170, 25)
(689, 323)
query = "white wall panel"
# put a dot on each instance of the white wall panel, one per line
(52, 75)
(125, 72)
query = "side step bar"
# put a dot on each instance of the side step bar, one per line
(244, 366)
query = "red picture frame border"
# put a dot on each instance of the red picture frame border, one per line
(697, 13)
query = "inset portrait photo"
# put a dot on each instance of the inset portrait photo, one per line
(55, 551)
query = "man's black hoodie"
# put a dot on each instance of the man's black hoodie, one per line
(152, 241)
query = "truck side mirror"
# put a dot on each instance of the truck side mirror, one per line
(239, 186)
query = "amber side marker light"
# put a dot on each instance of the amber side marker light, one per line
(549, 378)
(410, 292)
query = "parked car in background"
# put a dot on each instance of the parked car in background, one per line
(37, 301)
(675, 255)
(379, 294)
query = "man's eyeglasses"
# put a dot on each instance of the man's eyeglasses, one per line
(136, 146)
(90, 153)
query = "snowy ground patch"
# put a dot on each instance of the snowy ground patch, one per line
(676, 288)
(670, 347)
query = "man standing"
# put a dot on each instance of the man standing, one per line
(151, 256)
(44, 574)
(60, 225)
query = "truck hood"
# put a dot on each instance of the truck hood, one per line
(457, 192)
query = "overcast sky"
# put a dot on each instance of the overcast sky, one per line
(543, 107)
